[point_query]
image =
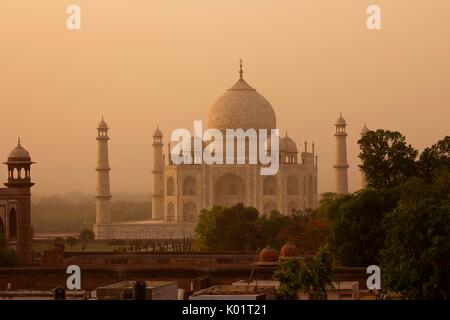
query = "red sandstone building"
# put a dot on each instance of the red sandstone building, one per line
(15, 212)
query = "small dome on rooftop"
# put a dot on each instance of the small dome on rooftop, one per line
(19, 152)
(364, 130)
(289, 250)
(157, 132)
(287, 144)
(268, 254)
(341, 121)
(102, 124)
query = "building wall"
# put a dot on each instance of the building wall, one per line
(149, 230)
(203, 186)
(17, 201)
(94, 276)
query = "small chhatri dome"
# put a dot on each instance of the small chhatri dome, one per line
(287, 144)
(268, 254)
(157, 132)
(364, 130)
(241, 107)
(341, 121)
(102, 124)
(289, 250)
(18, 152)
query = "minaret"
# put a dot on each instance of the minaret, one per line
(18, 228)
(341, 166)
(103, 217)
(364, 130)
(158, 165)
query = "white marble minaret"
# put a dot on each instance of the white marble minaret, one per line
(103, 196)
(157, 172)
(364, 130)
(341, 166)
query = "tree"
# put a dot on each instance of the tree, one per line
(435, 159)
(416, 258)
(231, 228)
(358, 233)
(207, 225)
(313, 278)
(307, 233)
(329, 205)
(269, 228)
(386, 158)
(71, 242)
(316, 279)
(288, 274)
(85, 236)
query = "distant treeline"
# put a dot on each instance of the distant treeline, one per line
(60, 214)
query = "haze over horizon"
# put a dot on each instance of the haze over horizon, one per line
(165, 63)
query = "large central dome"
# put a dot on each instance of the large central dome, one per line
(241, 107)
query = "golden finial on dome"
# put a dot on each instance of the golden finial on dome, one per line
(241, 71)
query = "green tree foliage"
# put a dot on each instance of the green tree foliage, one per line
(241, 228)
(401, 221)
(228, 228)
(435, 159)
(8, 257)
(269, 228)
(416, 259)
(306, 232)
(71, 241)
(320, 273)
(86, 235)
(358, 233)
(288, 274)
(329, 205)
(313, 278)
(386, 158)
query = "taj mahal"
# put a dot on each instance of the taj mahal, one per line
(181, 191)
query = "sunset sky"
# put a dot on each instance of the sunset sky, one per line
(146, 62)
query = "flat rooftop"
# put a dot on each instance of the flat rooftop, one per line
(235, 290)
(130, 284)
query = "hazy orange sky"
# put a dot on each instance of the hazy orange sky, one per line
(142, 63)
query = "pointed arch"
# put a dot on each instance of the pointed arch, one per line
(229, 189)
(2, 228)
(269, 207)
(170, 187)
(170, 217)
(292, 185)
(189, 187)
(270, 185)
(12, 221)
(189, 212)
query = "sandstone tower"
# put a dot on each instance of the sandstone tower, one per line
(16, 199)
(157, 172)
(341, 166)
(364, 130)
(103, 217)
